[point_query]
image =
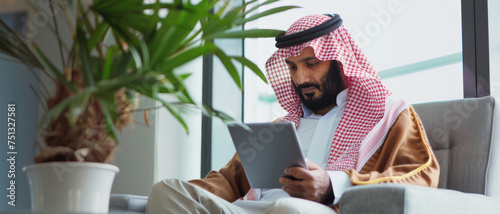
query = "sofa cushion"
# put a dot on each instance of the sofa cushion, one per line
(129, 203)
(409, 199)
(459, 132)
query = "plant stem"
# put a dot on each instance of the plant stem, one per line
(48, 75)
(140, 109)
(57, 33)
(98, 48)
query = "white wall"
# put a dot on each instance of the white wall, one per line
(177, 153)
(134, 154)
(494, 37)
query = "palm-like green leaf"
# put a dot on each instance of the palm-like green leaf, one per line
(147, 50)
(253, 33)
(184, 76)
(136, 56)
(106, 71)
(244, 61)
(13, 46)
(254, 8)
(57, 110)
(120, 64)
(84, 19)
(97, 35)
(169, 106)
(77, 108)
(219, 23)
(108, 108)
(85, 58)
(173, 31)
(226, 61)
(187, 56)
(211, 112)
(54, 70)
(264, 14)
(175, 112)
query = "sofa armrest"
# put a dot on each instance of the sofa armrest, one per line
(129, 203)
(409, 199)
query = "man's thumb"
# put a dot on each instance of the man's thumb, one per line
(311, 165)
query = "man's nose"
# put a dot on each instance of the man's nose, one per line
(303, 75)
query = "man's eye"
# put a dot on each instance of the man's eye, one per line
(292, 68)
(312, 64)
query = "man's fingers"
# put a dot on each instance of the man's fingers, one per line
(295, 185)
(313, 184)
(294, 193)
(300, 192)
(298, 172)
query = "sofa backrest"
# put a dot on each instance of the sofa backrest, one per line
(460, 134)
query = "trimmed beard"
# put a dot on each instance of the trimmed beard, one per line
(331, 84)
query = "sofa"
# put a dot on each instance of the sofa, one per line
(461, 135)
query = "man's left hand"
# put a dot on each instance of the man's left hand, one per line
(313, 184)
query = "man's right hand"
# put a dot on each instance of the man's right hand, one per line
(313, 184)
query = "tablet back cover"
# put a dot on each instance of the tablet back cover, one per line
(266, 150)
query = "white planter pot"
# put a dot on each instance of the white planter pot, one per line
(66, 187)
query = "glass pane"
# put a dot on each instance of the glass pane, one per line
(227, 98)
(494, 36)
(494, 42)
(414, 45)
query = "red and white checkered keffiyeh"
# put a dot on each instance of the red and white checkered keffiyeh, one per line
(366, 99)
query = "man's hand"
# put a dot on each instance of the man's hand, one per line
(313, 184)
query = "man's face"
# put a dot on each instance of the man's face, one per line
(317, 82)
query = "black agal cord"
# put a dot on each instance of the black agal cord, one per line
(309, 34)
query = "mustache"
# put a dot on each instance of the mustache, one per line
(307, 85)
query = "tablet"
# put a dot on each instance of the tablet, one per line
(266, 150)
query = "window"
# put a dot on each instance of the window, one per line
(417, 49)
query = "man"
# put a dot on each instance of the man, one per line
(351, 132)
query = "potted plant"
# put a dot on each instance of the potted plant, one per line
(120, 49)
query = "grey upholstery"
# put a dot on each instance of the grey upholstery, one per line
(408, 199)
(460, 134)
(128, 203)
